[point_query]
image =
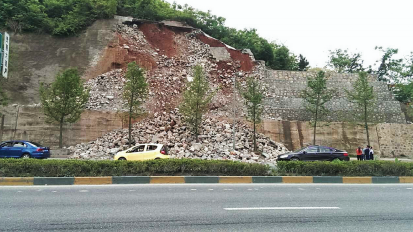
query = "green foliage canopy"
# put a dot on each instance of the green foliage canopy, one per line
(195, 100)
(64, 100)
(135, 93)
(344, 62)
(364, 97)
(253, 94)
(389, 68)
(315, 96)
(303, 64)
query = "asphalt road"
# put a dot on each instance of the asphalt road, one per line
(214, 207)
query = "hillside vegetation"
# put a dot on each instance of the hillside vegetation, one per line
(69, 17)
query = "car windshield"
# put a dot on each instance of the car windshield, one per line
(36, 144)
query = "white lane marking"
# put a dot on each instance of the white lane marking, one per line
(249, 189)
(281, 208)
(301, 189)
(19, 191)
(132, 190)
(84, 191)
(211, 189)
(193, 189)
(409, 188)
(54, 191)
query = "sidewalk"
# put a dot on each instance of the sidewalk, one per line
(388, 159)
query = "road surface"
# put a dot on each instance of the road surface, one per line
(214, 207)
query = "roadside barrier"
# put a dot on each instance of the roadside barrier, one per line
(16, 181)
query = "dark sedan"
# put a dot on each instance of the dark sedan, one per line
(313, 153)
(23, 149)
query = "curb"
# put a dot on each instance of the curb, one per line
(17, 181)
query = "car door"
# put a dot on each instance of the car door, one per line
(151, 152)
(5, 149)
(16, 150)
(311, 153)
(326, 154)
(138, 153)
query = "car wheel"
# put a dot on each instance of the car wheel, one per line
(25, 156)
(295, 159)
(122, 158)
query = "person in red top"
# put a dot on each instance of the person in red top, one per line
(359, 154)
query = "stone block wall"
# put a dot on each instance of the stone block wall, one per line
(283, 101)
(388, 140)
(29, 123)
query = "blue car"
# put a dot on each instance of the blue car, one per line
(23, 149)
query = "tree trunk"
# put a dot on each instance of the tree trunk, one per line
(366, 125)
(196, 124)
(254, 139)
(315, 119)
(130, 121)
(61, 134)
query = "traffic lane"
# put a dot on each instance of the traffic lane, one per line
(202, 207)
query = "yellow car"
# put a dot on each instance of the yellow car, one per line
(143, 152)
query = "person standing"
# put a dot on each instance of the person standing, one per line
(366, 153)
(371, 153)
(359, 153)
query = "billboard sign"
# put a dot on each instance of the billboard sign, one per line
(5, 70)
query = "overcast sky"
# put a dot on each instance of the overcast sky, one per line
(313, 27)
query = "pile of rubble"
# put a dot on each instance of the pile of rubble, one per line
(169, 69)
(215, 141)
(167, 76)
(106, 91)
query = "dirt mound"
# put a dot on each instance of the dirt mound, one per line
(161, 38)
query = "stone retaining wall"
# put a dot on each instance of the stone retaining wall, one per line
(29, 123)
(388, 140)
(283, 101)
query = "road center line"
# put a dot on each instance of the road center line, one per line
(280, 208)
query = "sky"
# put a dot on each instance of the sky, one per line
(313, 27)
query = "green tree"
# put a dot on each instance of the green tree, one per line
(283, 60)
(344, 62)
(315, 96)
(389, 68)
(196, 99)
(135, 93)
(404, 92)
(303, 64)
(364, 97)
(64, 100)
(253, 95)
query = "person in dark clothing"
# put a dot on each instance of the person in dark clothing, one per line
(371, 153)
(366, 153)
